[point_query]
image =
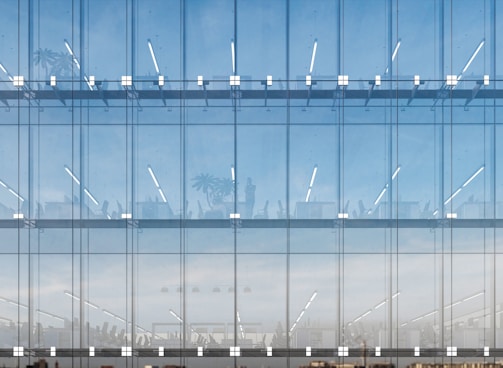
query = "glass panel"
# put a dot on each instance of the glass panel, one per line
(159, 279)
(261, 171)
(158, 172)
(210, 303)
(210, 156)
(314, 172)
(261, 26)
(314, 302)
(261, 296)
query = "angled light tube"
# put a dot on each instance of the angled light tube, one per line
(395, 51)
(395, 173)
(153, 55)
(233, 56)
(162, 195)
(452, 196)
(17, 195)
(303, 311)
(108, 313)
(311, 183)
(71, 53)
(67, 169)
(154, 178)
(71, 295)
(91, 305)
(3, 184)
(172, 312)
(313, 56)
(91, 196)
(380, 304)
(380, 195)
(395, 295)
(473, 177)
(6, 72)
(473, 296)
(472, 58)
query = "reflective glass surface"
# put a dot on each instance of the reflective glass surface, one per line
(251, 183)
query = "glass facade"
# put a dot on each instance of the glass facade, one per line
(250, 183)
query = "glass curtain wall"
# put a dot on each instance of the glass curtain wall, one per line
(235, 183)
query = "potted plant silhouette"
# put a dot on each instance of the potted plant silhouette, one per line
(217, 191)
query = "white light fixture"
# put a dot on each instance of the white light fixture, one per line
(486, 80)
(88, 193)
(473, 176)
(451, 80)
(67, 169)
(343, 215)
(417, 80)
(18, 81)
(92, 81)
(233, 56)
(472, 57)
(311, 183)
(303, 311)
(126, 216)
(378, 80)
(200, 80)
(160, 80)
(233, 174)
(395, 51)
(153, 56)
(53, 81)
(269, 80)
(156, 182)
(380, 195)
(395, 173)
(126, 80)
(313, 56)
(68, 47)
(342, 80)
(308, 80)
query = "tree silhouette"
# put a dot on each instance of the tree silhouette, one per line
(206, 183)
(62, 65)
(45, 58)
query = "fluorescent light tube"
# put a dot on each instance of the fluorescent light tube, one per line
(395, 173)
(67, 169)
(313, 176)
(153, 56)
(71, 53)
(473, 57)
(473, 177)
(233, 173)
(473, 296)
(154, 178)
(395, 51)
(452, 196)
(17, 195)
(162, 195)
(380, 196)
(313, 296)
(71, 295)
(395, 295)
(91, 196)
(380, 304)
(108, 313)
(233, 55)
(313, 56)
(91, 305)
(3, 68)
(3, 184)
(308, 194)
